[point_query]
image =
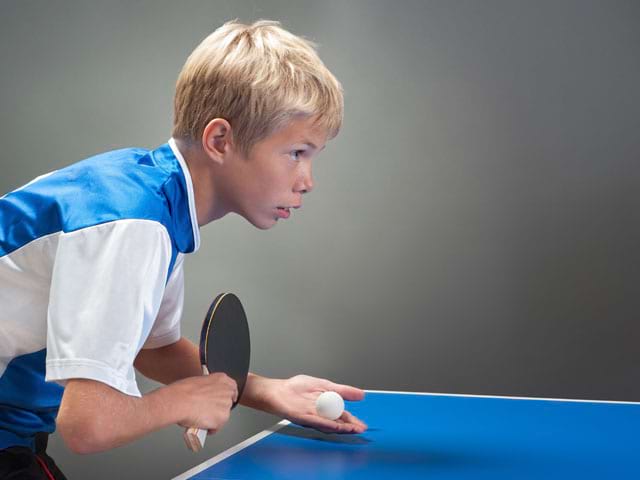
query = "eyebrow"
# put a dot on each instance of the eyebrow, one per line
(311, 144)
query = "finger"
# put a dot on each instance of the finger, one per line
(230, 381)
(326, 425)
(360, 426)
(235, 392)
(319, 423)
(347, 392)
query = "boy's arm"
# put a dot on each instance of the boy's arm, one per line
(292, 398)
(170, 363)
(94, 417)
(181, 360)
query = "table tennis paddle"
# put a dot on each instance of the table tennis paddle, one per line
(224, 347)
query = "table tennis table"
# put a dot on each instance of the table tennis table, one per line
(446, 436)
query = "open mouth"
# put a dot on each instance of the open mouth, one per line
(283, 212)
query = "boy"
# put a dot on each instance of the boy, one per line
(91, 256)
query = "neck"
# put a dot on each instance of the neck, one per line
(209, 206)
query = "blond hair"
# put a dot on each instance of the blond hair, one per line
(258, 77)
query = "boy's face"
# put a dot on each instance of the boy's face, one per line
(268, 184)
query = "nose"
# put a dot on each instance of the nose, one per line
(305, 184)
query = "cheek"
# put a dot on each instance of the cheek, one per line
(279, 177)
(272, 178)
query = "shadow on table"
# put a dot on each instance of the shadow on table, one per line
(344, 439)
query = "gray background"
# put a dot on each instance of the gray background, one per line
(474, 228)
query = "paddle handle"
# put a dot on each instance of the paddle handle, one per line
(195, 437)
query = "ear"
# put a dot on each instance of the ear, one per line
(217, 140)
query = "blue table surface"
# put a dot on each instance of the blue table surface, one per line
(450, 437)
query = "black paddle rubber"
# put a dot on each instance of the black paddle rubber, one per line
(224, 340)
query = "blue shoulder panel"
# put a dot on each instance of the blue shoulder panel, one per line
(123, 184)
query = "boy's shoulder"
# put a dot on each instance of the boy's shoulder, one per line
(123, 184)
(118, 183)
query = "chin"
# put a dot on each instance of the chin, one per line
(264, 223)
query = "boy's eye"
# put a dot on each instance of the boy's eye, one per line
(296, 154)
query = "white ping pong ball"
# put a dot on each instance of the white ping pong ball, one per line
(330, 405)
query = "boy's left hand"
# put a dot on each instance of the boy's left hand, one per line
(295, 400)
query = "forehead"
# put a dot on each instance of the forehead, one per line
(300, 131)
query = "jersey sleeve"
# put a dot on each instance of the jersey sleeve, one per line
(106, 290)
(166, 329)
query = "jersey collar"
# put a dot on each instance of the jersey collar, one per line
(190, 195)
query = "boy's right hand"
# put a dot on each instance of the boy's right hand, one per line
(207, 400)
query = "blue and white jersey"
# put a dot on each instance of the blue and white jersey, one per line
(90, 273)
